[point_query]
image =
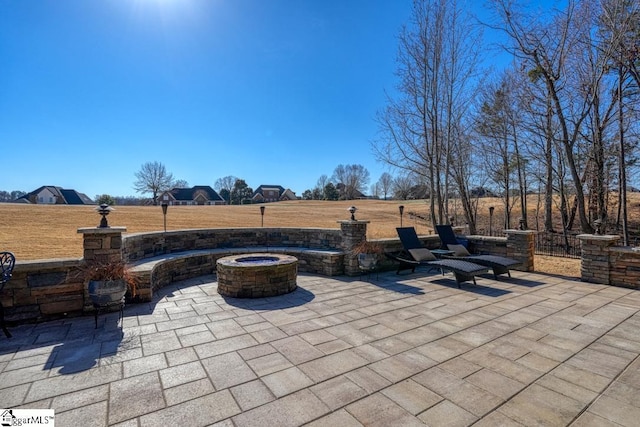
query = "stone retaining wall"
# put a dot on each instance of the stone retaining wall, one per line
(44, 289)
(625, 267)
(487, 245)
(518, 244)
(603, 261)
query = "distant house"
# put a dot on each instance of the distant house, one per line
(349, 195)
(272, 193)
(197, 195)
(51, 195)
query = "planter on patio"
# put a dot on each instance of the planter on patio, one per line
(106, 292)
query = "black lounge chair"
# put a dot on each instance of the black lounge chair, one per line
(415, 254)
(448, 237)
(7, 263)
(499, 264)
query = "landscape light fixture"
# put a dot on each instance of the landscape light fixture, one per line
(491, 208)
(262, 216)
(164, 206)
(104, 210)
(352, 210)
(523, 224)
(597, 225)
(401, 209)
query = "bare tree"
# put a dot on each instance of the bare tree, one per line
(375, 190)
(351, 179)
(620, 22)
(402, 187)
(318, 191)
(499, 127)
(547, 51)
(322, 181)
(438, 67)
(620, 19)
(538, 132)
(462, 167)
(153, 178)
(384, 184)
(224, 186)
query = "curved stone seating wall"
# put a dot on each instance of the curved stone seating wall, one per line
(145, 245)
(160, 258)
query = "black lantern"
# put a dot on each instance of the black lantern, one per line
(104, 210)
(262, 216)
(491, 208)
(352, 210)
(164, 206)
(401, 209)
(597, 225)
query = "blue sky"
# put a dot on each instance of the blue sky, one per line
(270, 91)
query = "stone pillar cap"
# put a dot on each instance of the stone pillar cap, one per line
(348, 221)
(605, 237)
(515, 231)
(101, 230)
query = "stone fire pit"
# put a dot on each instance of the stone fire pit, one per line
(257, 275)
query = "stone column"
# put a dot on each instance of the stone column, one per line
(521, 246)
(102, 244)
(595, 262)
(353, 232)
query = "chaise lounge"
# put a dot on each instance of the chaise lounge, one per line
(415, 254)
(7, 263)
(499, 264)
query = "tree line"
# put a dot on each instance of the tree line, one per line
(561, 120)
(9, 196)
(347, 182)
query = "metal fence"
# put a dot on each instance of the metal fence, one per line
(557, 244)
(552, 244)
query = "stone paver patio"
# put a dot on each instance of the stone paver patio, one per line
(398, 350)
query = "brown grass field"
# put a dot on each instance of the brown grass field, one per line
(43, 231)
